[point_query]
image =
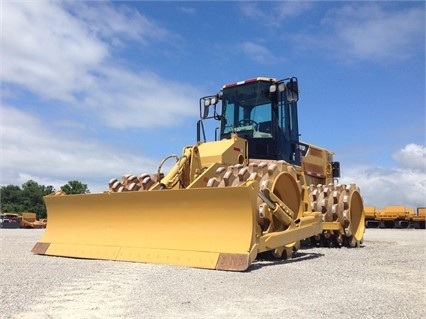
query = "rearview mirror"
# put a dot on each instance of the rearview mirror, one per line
(292, 91)
(206, 110)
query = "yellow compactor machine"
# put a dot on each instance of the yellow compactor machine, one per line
(255, 189)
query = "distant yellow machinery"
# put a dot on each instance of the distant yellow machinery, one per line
(419, 218)
(24, 220)
(370, 217)
(395, 217)
(29, 220)
(254, 189)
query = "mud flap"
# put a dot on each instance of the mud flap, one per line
(212, 228)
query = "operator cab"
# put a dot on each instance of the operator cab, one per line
(264, 112)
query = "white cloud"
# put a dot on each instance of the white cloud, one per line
(412, 156)
(357, 31)
(30, 150)
(277, 12)
(187, 10)
(46, 50)
(403, 185)
(129, 99)
(114, 23)
(67, 56)
(259, 53)
(286, 9)
(373, 32)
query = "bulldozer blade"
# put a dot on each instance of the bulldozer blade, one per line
(213, 228)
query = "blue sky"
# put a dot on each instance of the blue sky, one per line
(94, 90)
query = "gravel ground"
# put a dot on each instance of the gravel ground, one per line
(383, 279)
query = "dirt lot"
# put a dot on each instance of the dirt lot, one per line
(383, 279)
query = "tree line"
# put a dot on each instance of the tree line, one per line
(29, 197)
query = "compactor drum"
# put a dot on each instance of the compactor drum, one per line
(255, 189)
(343, 216)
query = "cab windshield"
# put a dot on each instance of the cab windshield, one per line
(247, 108)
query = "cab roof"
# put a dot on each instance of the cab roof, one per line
(260, 78)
